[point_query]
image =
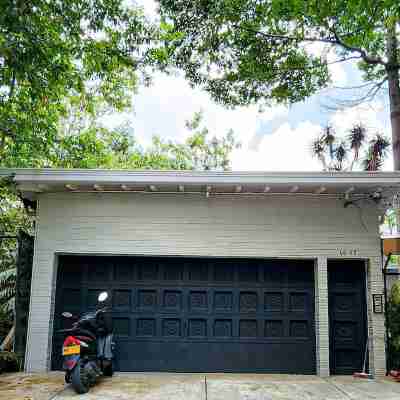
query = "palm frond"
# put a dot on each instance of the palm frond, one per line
(341, 152)
(380, 145)
(377, 151)
(328, 138)
(357, 136)
(317, 147)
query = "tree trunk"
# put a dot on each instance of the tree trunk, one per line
(392, 70)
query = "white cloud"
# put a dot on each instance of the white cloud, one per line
(337, 71)
(338, 74)
(164, 107)
(268, 141)
(366, 114)
(289, 148)
(271, 140)
(149, 6)
(285, 150)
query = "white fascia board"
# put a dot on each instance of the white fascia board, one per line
(90, 177)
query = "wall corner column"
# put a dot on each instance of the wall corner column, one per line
(39, 336)
(376, 322)
(322, 316)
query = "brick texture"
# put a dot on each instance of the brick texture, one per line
(266, 226)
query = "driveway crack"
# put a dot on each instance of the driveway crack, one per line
(348, 396)
(54, 396)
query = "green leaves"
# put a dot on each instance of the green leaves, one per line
(394, 326)
(245, 52)
(85, 143)
(12, 218)
(50, 51)
(98, 147)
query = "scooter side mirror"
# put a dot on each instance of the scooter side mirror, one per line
(67, 314)
(102, 297)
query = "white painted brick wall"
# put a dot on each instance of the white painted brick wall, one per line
(139, 224)
(376, 322)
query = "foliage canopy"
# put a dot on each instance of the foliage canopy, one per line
(250, 51)
(56, 52)
(98, 147)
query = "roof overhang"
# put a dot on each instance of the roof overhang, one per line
(33, 181)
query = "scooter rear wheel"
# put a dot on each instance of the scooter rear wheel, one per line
(79, 379)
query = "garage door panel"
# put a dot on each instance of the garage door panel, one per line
(198, 271)
(187, 314)
(224, 357)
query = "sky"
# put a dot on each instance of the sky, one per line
(274, 139)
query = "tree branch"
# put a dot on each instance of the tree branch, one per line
(366, 57)
(2, 142)
(371, 93)
(12, 86)
(289, 38)
(362, 86)
(335, 42)
(344, 59)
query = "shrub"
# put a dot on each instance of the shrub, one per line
(8, 361)
(6, 322)
(394, 326)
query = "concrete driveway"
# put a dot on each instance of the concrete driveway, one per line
(150, 386)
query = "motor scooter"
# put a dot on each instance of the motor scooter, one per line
(88, 348)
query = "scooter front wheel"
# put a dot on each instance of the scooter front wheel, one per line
(67, 377)
(79, 379)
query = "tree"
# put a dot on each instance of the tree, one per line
(244, 52)
(343, 154)
(95, 146)
(53, 53)
(198, 152)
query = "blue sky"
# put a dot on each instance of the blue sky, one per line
(278, 138)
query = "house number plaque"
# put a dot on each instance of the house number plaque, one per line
(377, 303)
(348, 252)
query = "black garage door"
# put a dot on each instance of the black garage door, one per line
(198, 315)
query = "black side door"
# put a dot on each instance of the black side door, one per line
(347, 316)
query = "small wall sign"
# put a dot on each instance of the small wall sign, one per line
(348, 252)
(377, 303)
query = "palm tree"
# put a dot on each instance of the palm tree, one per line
(377, 152)
(334, 152)
(356, 139)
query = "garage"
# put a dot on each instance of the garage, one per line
(197, 314)
(210, 271)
